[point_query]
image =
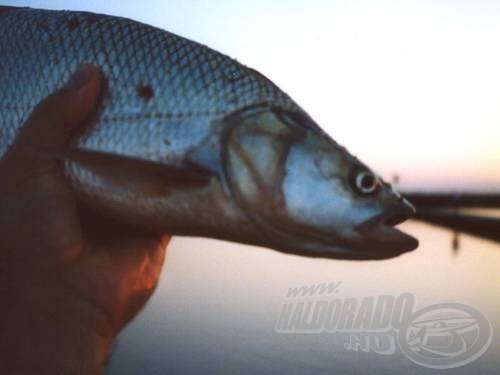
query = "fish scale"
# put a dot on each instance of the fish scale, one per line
(188, 79)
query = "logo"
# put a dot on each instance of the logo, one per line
(445, 335)
(441, 336)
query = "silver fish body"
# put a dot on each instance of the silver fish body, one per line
(176, 106)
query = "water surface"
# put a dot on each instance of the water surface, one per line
(216, 308)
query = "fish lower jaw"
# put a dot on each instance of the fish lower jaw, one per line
(359, 249)
(387, 241)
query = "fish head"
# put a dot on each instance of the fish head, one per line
(306, 194)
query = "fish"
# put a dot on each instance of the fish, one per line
(189, 141)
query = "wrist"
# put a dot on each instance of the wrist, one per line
(47, 329)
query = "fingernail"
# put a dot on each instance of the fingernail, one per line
(79, 78)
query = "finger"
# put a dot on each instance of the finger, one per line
(102, 229)
(53, 121)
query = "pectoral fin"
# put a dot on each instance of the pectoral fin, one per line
(135, 176)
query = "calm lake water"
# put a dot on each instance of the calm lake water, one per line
(216, 308)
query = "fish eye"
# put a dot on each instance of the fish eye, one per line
(366, 183)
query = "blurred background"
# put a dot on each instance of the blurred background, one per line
(413, 89)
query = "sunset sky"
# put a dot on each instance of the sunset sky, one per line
(411, 87)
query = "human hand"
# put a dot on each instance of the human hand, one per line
(65, 291)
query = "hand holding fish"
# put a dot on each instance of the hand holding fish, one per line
(190, 142)
(66, 290)
(185, 140)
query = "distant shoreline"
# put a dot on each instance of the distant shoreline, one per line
(453, 199)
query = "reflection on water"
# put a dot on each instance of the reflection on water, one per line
(216, 308)
(490, 212)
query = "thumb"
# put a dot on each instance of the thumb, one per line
(53, 121)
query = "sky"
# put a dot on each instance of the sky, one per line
(410, 87)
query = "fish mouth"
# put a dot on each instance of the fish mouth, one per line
(379, 240)
(381, 236)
